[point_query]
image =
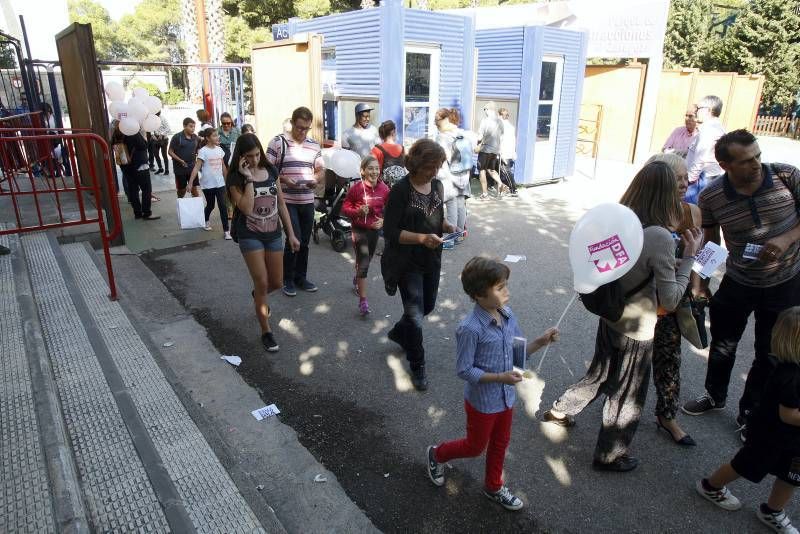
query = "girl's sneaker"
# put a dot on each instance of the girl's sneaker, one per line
(505, 498)
(363, 306)
(435, 469)
(721, 497)
(208, 227)
(268, 340)
(778, 521)
(228, 236)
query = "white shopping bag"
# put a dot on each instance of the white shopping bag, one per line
(191, 212)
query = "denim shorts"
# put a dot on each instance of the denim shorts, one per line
(250, 245)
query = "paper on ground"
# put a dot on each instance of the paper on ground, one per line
(530, 391)
(709, 259)
(233, 360)
(514, 258)
(266, 411)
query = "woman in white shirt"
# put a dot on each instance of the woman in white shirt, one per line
(508, 152)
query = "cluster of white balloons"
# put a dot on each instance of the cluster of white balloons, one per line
(138, 113)
(344, 163)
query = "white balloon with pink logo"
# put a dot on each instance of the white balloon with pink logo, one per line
(604, 245)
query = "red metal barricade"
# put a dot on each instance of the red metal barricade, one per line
(53, 180)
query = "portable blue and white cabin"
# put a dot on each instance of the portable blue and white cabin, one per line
(408, 63)
(536, 72)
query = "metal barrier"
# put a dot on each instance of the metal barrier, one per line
(36, 184)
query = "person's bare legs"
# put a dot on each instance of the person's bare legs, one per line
(361, 283)
(482, 179)
(266, 270)
(780, 495)
(723, 476)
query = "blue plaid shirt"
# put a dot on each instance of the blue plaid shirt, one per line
(484, 346)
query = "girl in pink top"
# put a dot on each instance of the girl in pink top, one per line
(364, 207)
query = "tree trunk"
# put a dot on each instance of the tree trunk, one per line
(191, 40)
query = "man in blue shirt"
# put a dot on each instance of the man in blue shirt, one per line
(486, 359)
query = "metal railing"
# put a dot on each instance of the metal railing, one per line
(44, 193)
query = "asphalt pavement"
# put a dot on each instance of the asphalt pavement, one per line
(344, 388)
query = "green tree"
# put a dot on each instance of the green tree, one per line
(688, 33)
(239, 38)
(765, 39)
(152, 32)
(107, 42)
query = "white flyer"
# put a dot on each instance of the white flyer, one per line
(752, 251)
(709, 259)
(514, 258)
(266, 411)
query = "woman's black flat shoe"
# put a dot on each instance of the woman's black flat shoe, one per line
(686, 440)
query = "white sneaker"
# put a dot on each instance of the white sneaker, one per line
(207, 227)
(228, 236)
(505, 498)
(778, 522)
(721, 497)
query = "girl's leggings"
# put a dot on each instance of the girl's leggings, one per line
(216, 194)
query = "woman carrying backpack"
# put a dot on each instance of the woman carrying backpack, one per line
(390, 154)
(620, 368)
(454, 176)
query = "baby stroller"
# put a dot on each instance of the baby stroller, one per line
(329, 218)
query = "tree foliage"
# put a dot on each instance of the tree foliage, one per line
(688, 33)
(763, 39)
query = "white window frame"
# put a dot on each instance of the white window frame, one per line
(556, 100)
(433, 97)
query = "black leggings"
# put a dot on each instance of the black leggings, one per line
(217, 194)
(364, 243)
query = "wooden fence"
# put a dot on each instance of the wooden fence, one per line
(777, 126)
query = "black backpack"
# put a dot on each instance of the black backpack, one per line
(393, 167)
(608, 300)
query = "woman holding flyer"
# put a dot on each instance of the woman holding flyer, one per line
(364, 206)
(667, 339)
(620, 368)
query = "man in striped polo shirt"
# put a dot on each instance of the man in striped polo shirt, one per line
(757, 207)
(299, 162)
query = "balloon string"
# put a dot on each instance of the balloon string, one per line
(539, 367)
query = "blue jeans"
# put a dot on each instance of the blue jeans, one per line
(295, 264)
(418, 291)
(693, 191)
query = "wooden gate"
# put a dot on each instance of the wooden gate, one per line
(740, 94)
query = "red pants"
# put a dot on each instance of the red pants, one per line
(492, 429)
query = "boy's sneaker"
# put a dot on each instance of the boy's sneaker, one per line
(363, 307)
(268, 340)
(450, 244)
(228, 236)
(778, 521)
(289, 290)
(305, 285)
(721, 497)
(435, 469)
(702, 404)
(505, 498)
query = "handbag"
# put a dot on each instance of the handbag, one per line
(191, 213)
(121, 154)
(691, 317)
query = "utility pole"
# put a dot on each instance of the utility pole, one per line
(202, 39)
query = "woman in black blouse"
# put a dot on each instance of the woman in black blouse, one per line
(412, 227)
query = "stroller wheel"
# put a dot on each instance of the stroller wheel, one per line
(338, 240)
(315, 233)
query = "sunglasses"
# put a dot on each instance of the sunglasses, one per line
(227, 123)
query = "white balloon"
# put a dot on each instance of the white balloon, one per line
(151, 123)
(129, 126)
(604, 245)
(115, 91)
(141, 92)
(345, 163)
(153, 104)
(118, 108)
(137, 110)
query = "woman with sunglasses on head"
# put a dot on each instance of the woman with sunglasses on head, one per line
(228, 134)
(258, 216)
